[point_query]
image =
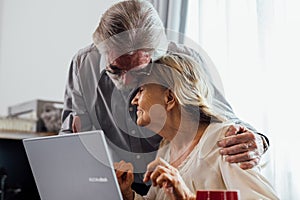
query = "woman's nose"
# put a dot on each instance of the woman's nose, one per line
(134, 101)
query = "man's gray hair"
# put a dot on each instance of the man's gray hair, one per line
(131, 25)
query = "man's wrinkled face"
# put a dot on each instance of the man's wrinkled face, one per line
(123, 70)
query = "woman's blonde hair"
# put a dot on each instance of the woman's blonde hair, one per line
(189, 83)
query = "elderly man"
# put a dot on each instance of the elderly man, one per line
(131, 35)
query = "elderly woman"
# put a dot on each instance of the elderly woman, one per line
(175, 102)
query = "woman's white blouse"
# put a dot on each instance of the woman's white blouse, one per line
(206, 169)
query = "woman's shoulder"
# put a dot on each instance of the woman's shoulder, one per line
(216, 130)
(213, 133)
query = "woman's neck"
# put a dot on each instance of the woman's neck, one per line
(183, 132)
(185, 140)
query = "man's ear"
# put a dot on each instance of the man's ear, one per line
(170, 100)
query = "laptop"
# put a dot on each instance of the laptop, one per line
(72, 166)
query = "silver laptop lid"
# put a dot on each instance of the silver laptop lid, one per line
(72, 166)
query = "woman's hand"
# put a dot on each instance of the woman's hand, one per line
(124, 173)
(242, 146)
(165, 176)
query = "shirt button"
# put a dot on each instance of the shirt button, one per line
(130, 109)
(133, 132)
(138, 156)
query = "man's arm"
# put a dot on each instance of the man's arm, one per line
(238, 138)
(74, 104)
(242, 146)
(243, 143)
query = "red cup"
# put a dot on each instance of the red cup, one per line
(217, 195)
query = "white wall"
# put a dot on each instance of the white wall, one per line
(38, 38)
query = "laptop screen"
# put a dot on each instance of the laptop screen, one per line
(72, 166)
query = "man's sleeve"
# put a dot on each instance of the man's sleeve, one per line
(74, 103)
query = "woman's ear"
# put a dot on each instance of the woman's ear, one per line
(169, 100)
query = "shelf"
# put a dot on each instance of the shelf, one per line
(22, 135)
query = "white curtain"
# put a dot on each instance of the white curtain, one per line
(173, 15)
(255, 46)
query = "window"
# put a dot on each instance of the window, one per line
(255, 46)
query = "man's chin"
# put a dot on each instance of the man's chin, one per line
(124, 87)
(120, 85)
